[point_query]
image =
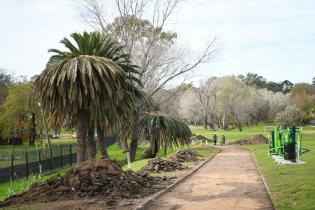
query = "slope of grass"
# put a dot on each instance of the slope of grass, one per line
(230, 135)
(8, 188)
(202, 150)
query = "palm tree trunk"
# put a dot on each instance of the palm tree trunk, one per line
(90, 143)
(134, 137)
(101, 142)
(81, 135)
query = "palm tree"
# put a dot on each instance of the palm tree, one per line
(88, 79)
(165, 131)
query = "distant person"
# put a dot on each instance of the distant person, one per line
(223, 140)
(215, 138)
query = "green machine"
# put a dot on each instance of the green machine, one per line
(286, 143)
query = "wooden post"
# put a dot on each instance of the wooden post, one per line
(40, 162)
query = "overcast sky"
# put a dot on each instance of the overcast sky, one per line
(274, 38)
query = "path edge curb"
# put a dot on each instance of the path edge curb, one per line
(145, 205)
(263, 179)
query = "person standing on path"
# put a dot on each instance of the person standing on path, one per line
(215, 138)
(223, 140)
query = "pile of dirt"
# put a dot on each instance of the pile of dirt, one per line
(101, 178)
(184, 156)
(158, 165)
(257, 139)
(200, 138)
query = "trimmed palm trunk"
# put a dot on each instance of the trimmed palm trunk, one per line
(81, 135)
(154, 144)
(101, 142)
(135, 133)
(133, 147)
(90, 143)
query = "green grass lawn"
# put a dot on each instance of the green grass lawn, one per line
(230, 135)
(8, 188)
(291, 186)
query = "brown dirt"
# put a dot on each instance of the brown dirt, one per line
(200, 138)
(159, 165)
(257, 139)
(103, 179)
(184, 156)
(229, 181)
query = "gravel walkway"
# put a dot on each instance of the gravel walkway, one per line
(229, 181)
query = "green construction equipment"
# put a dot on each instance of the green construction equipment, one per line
(286, 143)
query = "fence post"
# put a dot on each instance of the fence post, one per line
(51, 158)
(26, 164)
(39, 153)
(12, 168)
(70, 153)
(61, 157)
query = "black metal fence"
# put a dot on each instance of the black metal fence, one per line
(39, 160)
(21, 164)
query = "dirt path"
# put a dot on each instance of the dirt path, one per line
(229, 181)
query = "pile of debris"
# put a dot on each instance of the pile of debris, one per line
(257, 139)
(158, 165)
(100, 178)
(184, 156)
(200, 138)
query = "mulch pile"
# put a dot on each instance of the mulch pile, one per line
(158, 165)
(200, 138)
(184, 156)
(257, 139)
(100, 178)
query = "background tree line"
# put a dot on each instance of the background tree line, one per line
(232, 102)
(16, 105)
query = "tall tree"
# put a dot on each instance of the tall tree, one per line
(149, 45)
(19, 106)
(83, 81)
(254, 80)
(207, 96)
(286, 86)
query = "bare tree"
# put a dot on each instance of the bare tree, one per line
(139, 25)
(207, 97)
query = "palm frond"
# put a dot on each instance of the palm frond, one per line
(166, 129)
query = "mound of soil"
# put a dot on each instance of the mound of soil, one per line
(257, 139)
(184, 156)
(158, 165)
(100, 178)
(200, 138)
